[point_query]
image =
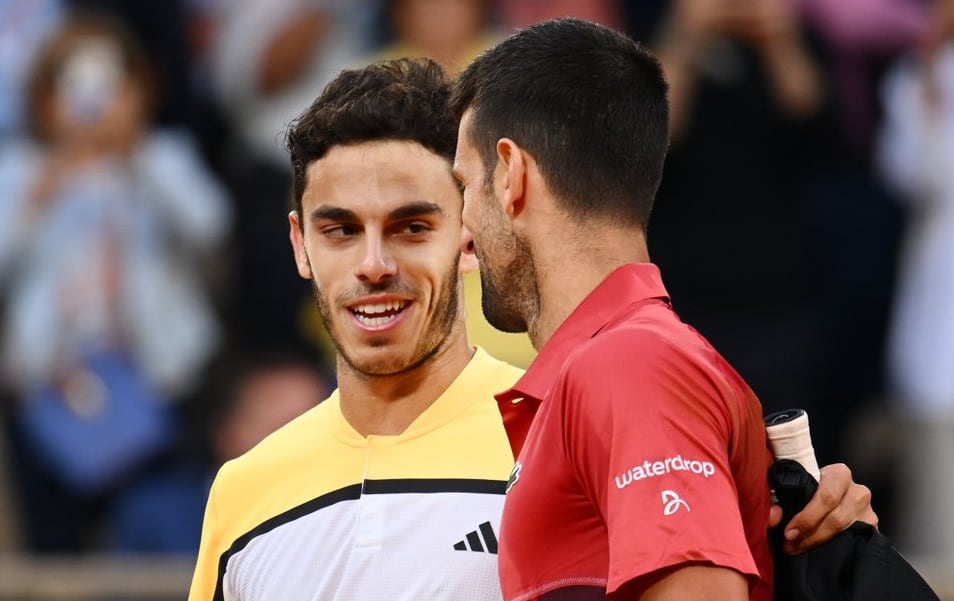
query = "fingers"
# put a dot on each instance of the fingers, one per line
(775, 516)
(838, 503)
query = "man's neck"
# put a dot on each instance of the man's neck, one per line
(569, 273)
(388, 405)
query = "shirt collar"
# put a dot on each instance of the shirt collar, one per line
(628, 284)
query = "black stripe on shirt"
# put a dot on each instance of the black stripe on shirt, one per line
(352, 493)
(434, 485)
(348, 493)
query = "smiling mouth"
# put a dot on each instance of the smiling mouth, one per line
(378, 314)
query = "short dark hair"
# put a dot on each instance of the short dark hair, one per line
(587, 102)
(397, 99)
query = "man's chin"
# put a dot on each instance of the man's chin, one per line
(390, 362)
(375, 366)
(504, 320)
(379, 363)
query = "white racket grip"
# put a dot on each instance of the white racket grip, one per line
(791, 438)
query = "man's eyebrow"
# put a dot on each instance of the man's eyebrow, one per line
(416, 209)
(332, 213)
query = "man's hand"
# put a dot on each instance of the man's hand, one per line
(838, 503)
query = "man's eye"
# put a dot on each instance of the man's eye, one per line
(416, 227)
(339, 231)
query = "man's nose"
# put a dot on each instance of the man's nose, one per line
(377, 263)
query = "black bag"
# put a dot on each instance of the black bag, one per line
(859, 564)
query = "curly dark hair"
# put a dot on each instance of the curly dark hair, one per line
(397, 99)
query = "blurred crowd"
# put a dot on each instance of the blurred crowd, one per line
(152, 323)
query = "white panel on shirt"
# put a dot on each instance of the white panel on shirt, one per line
(383, 546)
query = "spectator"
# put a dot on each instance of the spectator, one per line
(852, 224)
(162, 30)
(102, 221)
(175, 35)
(916, 154)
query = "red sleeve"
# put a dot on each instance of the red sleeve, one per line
(648, 438)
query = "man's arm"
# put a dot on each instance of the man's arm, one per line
(630, 453)
(205, 576)
(685, 582)
(838, 503)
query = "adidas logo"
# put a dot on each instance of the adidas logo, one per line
(481, 540)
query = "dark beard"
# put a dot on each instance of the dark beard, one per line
(432, 340)
(510, 311)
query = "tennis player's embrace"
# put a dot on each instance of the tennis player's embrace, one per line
(393, 487)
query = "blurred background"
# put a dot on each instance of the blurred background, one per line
(153, 326)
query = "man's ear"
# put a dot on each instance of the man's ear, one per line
(468, 260)
(510, 176)
(298, 245)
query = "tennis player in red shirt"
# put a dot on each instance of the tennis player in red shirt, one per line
(643, 470)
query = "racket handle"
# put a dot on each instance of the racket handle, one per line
(791, 438)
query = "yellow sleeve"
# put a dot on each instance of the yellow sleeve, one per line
(206, 572)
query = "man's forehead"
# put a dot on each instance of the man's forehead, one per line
(383, 152)
(393, 158)
(379, 177)
(463, 128)
(465, 146)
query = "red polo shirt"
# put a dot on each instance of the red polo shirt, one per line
(647, 451)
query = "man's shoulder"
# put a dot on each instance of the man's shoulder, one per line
(291, 466)
(287, 444)
(644, 351)
(637, 339)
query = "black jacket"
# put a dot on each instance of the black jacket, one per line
(859, 564)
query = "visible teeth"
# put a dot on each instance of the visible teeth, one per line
(378, 308)
(374, 321)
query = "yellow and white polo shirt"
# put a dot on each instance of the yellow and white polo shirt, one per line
(318, 512)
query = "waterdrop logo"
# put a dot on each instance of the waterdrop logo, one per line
(652, 469)
(672, 503)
